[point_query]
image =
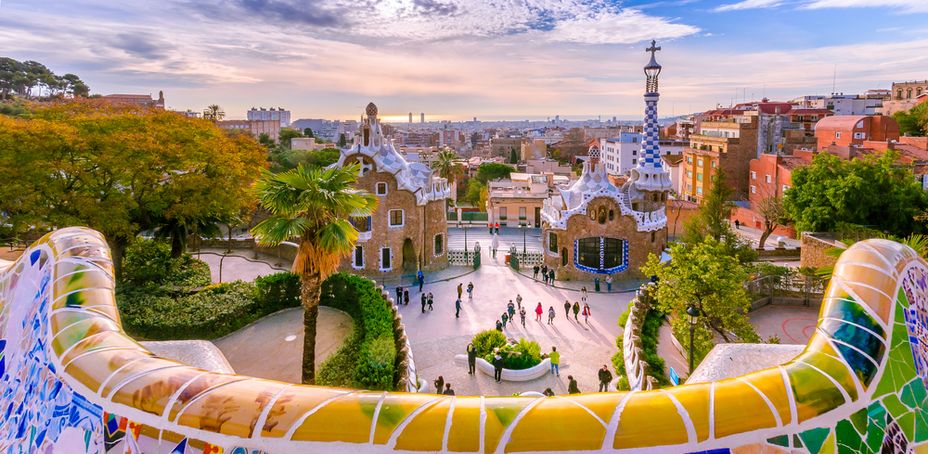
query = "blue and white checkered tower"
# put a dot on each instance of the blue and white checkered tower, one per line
(649, 182)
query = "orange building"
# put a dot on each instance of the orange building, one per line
(728, 144)
(770, 175)
(848, 130)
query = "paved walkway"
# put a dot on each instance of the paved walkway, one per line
(239, 264)
(437, 336)
(753, 235)
(273, 346)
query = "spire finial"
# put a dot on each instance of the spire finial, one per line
(654, 48)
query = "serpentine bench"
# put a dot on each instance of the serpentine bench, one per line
(73, 381)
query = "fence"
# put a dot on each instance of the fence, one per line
(793, 285)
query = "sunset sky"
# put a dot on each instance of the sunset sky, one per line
(456, 59)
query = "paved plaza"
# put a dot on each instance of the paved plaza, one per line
(508, 236)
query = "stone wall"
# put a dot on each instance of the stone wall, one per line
(813, 248)
(639, 244)
(636, 369)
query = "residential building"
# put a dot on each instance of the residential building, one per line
(519, 199)
(533, 149)
(309, 143)
(545, 165)
(279, 114)
(504, 146)
(728, 143)
(593, 228)
(869, 103)
(853, 130)
(408, 231)
(136, 100)
(620, 154)
(770, 175)
(253, 127)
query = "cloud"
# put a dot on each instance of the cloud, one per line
(625, 27)
(748, 4)
(908, 6)
(142, 45)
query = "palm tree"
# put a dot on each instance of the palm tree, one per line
(312, 206)
(448, 168)
(214, 113)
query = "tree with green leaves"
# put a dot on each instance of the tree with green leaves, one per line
(913, 122)
(712, 220)
(447, 166)
(312, 206)
(285, 137)
(342, 140)
(490, 171)
(771, 210)
(707, 276)
(879, 192)
(308, 132)
(513, 156)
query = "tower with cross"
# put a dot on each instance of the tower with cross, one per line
(649, 182)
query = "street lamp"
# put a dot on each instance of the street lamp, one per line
(693, 315)
(524, 227)
(462, 226)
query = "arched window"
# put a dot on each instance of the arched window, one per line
(602, 216)
(439, 244)
(899, 94)
(908, 94)
(918, 91)
(611, 215)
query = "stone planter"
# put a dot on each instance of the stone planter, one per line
(510, 374)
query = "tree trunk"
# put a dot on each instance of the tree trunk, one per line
(118, 251)
(178, 242)
(763, 237)
(310, 291)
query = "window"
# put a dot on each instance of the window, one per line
(699, 176)
(689, 159)
(767, 178)
(699, 189)
(386, 264)
(600, 255)
(715, 164)
(634, 161)
(634, 152)
(381, 188)
(522, 213)
(918, 91)
(785, 187)
(753, 175)
(860, 135)
(357, 261)
(611, 214)
(363, 224)
(634, 140)
(699, 162)
(837, 134)
(653, 236)
(689, 174)
(552, 242)
(439, 244)
(899, 94)
(753, 189)
(396, 218)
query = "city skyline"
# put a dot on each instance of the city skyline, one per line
(455, 60)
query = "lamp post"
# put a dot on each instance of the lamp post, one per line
(524, 227)
(693, 314)
(466, 251)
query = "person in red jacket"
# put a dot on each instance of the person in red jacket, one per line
(538, 312)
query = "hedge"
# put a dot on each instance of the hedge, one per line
(370, 353)
(649, 336)
(527, 353)
(149, 263)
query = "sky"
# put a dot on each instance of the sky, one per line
(459, 59)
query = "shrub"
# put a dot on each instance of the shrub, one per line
(370, 354)
(149, 263)
(278, 291)
(486, 341)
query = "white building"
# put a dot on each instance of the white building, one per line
(621, 154)
(842, 104)
(279, 114)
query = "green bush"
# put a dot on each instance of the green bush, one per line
(486, 341)
(649, 335)
(370, 354)
(278, 291)
(149, 263)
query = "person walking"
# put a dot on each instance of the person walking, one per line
(522, 316)
(511, 309)
(548, 392)
(457, 308)
(551, 315)
(605, 377)
(497, 228)
(490, 225)
(576, 311)
(420, 276)
(551, 277)
(555, 358)
(596, 284)
(583, 293)
(538, 311)
(609, 283)
(535, 272)
(572, 387)
(499, 326)
(497, 365)
(460, 289)
(431, 300)
(399, 295)
(518, 301)
(544, 273)
(470, 290)
(448, 391)
(587, 312)
(439, 384)
(494, 244)
(737, 224)
(567, 309)
(504, 318)
(423, 302)
(406, 297)
(471, 359)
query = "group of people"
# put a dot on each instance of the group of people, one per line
(443, 388)
(547, 274)
(509, 315)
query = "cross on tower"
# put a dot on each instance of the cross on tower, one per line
(654, 48)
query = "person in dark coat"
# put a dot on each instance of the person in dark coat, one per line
(471, 359)
(439, 384)
(423, 303)
(605, 377)
(405, 297)
(572, 387)
(497, 366)
(567, 309)
(457, 308)
(448, 391)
